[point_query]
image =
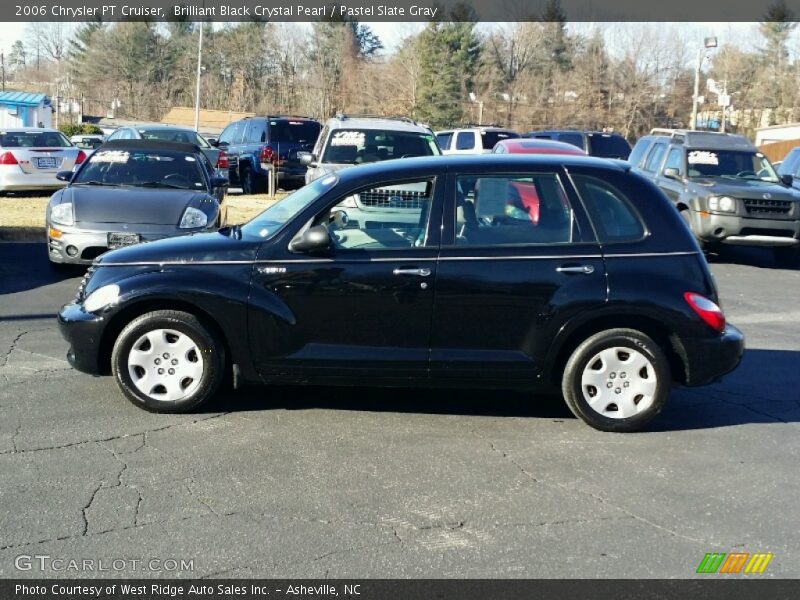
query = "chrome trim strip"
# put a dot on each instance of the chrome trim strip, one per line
(188, 263)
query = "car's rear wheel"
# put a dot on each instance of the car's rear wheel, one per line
(617, 380)
(168, 361)
(251, 183)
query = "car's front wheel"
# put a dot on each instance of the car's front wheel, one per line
(168, 361)
(617, 380)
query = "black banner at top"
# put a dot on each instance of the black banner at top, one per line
(398, 11)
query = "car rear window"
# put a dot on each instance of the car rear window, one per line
(576, 139)
(33, 139)
(612, 214)
(288, 130)
(490, 138)
(608, 146)
(173, 135)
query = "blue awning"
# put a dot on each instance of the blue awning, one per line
(23, 99)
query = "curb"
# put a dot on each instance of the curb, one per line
(22, 234)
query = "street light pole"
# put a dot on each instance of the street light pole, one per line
(197, 88)
(709, 42)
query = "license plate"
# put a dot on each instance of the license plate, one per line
(117, 240)
(47, 162)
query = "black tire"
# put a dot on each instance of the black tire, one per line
(210, 347)
(787, 258)
(252, 183)
(572, 386)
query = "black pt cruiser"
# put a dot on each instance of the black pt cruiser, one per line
(539, 273)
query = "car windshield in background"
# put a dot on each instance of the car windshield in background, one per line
(156, 168)
(304, 132)
(490, 138)
(730, 164)
(33, 139)
(608, 146)
(269, 222)
(359, 146)
(170, 135)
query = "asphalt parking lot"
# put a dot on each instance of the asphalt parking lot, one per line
(320, 482)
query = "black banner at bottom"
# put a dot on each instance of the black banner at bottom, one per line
(716, 588)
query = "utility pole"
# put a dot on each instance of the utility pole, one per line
(197, 89)
(3, 68)
(709, 42)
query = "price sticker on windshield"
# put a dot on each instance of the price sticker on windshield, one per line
(703, 157)
(348, 138)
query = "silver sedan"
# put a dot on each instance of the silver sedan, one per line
(30, 157)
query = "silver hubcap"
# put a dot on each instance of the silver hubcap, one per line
(619, 383)
(165, 364)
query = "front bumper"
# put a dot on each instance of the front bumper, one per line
(745, 231)
(708, 359)
(86, 245)
(83, 331)
(14, 179)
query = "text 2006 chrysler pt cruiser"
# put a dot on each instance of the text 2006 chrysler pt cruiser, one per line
(515, 272)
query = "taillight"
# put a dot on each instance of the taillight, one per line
(222, 161)
(266, 155)
(80, 158)
(707, 310)
(6, 158)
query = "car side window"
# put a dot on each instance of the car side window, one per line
(612, 214)
(256, 131)
(384, 217)
(655, 157)
(444, 139)
(232, 134)
(675, 161)
(119, 134)
(465, 140)
(638, 152)
(500, 210)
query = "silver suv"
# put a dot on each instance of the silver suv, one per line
(30, 157)
(347, 141)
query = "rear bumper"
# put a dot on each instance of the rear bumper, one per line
(83, 331)
(14, 179)
(708, 359)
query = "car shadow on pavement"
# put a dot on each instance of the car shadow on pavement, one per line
(764, 389)
(746, 255)
(25, 266)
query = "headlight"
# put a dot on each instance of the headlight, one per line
(193, 218)
(62, 214)
(101, 297)
(722, 204)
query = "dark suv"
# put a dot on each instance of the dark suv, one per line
(540, 273)
(724, 188)
(254, 143)
(595, 143)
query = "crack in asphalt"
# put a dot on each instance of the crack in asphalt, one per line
(86, 508)
(114, 437)
(13, 347)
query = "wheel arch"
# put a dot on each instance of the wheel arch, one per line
(571, 337)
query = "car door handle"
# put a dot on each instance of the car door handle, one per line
(417, 272)
(583, 269)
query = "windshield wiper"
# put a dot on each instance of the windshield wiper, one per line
(161, 184)
(92, 182)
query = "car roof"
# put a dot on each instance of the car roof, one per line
(477, 128)
(28, 129)
(540, 146)
(379, 123)
(706, 140)
(150, 145)
(402, 168)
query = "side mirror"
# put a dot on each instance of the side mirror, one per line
(787, 179)
(218, 182)
(213, 142)
(672, 173)
(313, 239)
(306, 158)
(64, 176)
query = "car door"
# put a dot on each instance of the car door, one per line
(673, 187)
(364, 308)
(518, 259)
(228, 141)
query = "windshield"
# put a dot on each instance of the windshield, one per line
(490, 138)
(730, 164)
(269, 222)
(156, 168)
(183, 136)
(359, 146)
(33, 139)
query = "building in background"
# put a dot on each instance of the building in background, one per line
(25, 109)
